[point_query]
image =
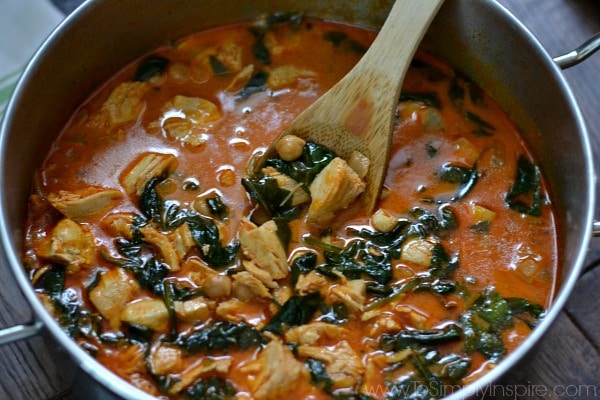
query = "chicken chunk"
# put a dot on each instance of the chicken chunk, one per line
(333, 189)
(118, 224)
(263, 247)
(279, 372)
(299, 195)
(82, 204)
(314, 332)
(151, 313)
(163, 244)
(196, 309)
(115, 289)
(165, 359)
(260, 274)
(311, 283)
(182, 240)
(124, 105)
(246, 286)
(353, 293)
(287, 75)
(145, 168)
(343, 363)
(69, 243)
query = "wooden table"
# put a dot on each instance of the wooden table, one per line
(567, 362)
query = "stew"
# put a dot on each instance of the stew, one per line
(164, 258)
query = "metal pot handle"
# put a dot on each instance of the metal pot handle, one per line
(19, 332)
(579, 54)
(573, 58)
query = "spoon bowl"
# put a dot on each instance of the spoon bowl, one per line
(357, 114)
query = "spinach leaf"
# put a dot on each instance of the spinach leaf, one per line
(301, 265)
(268, 195)
(409, 338)
(341, 40)
(427, 98)
(52, 282)
(206, 235)
(484, 128)
(318, 374)
(211, 388)
(256, 84)
(455, 92)
(217, 207)
(151, 67)
(223, 335)
(336, 313)
(465, 178)
(525, 195)
(527, 311)
(150, 274)
(489, 316)
(297, 310)
(304, 169)
(217, 66)
(434, 374)
(359, 258)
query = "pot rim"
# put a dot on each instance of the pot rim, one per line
(122, 388)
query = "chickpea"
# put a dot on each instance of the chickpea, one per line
(216, 286)
(290, 147)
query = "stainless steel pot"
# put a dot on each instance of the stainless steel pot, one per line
(480, 38)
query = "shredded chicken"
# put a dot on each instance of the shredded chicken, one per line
(343, 364)
(115, 289)
(353, 293)
(298, 193)
(69, 243)
(124, 105)
(262, 245)
(145, 168)
(333, 189)
(314, 332)
(82, 204)
(279, 372)
(246, 286)
(311, 283)
(163, 244)
(194, 310)
(151, 313)
(118, 224)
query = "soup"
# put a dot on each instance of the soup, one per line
(162, 255)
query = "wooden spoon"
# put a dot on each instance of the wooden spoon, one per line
(357, 114)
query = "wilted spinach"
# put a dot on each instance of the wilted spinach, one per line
(304, 169)
(211, 388)
(525, 195)
(151, 67)
(465, 178)
(490, 315)
(297, 310)
(223, 335)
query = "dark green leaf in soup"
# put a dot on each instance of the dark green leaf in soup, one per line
(222, 335)
(211, 388)
(151, 67)
(256, 84)
(297, 310)
(525, 195)
(313, 160)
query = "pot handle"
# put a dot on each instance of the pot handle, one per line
(18, 332)
(579, 54)
(573, 58)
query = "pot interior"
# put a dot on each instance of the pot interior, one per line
(479, 38)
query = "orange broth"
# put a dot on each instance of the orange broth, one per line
(444, 121)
